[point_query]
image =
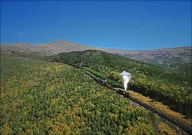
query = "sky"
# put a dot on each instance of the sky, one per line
(105, 24)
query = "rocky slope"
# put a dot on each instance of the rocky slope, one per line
(54, 47)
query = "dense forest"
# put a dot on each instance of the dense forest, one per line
(170, 88)
(39, 97)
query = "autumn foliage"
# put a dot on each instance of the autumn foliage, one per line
(169, 88)
(39, 97)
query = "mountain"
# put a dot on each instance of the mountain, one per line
(48, 48)
(184, 53)
(165, 57)
(174, 59)
(44, 95)
(158, 56)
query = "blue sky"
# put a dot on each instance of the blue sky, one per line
(109, 24)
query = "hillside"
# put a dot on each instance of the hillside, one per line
(177, 60)
(169, 88)
(39, 97)
(173, 59)
(48, 48)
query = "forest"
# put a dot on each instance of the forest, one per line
(167, 87)
(39, 97)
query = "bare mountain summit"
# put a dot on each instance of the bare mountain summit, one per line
(48, 48)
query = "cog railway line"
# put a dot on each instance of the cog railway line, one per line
(172, 121)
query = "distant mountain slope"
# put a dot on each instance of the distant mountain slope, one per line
(59, 46)
(143, 55)
(173, 59)
(167, 57)
(54, 47)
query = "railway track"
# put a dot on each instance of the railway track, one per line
(172, 121)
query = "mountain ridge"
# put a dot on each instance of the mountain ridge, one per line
(67, 42)
(176, 58)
